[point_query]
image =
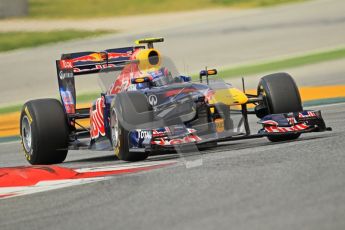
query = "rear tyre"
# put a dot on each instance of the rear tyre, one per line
(128, 110)
(44, 131)
(280, 95)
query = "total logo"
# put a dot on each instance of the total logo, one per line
(144, 134)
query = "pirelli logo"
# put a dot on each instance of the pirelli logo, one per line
(28, 114)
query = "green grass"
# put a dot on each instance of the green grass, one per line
(87, 97)
(245, 70)
(253, 3)
(10, 109)
(9, 139)
(109, 8)
(324, 101)
(283, 63)
(16, 40)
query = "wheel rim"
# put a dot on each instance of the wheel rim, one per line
(265, 100)
(114, 128)
(26, 134)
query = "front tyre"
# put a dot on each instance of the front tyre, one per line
(44, 131)
(280, 95)
(129, 106)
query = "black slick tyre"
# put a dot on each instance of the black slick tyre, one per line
(44, 131)
(128, 111)
(280, 95)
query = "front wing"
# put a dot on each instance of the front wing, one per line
(297, 122)
(272, 125)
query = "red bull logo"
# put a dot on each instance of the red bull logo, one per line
(97, 119)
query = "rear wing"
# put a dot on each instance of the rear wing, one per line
(89, 62)
(93, 62)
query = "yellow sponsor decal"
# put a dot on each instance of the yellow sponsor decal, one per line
(219, 125)
(28, 114)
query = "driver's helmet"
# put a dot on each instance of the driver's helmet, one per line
(159, 77)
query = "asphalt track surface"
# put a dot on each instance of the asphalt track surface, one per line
(247, 184)
(226, 39)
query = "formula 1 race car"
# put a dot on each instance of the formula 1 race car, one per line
(147, 108)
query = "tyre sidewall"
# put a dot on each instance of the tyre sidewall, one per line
(49, 130)
(272, 88)
(122, 148)
(29, 155)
